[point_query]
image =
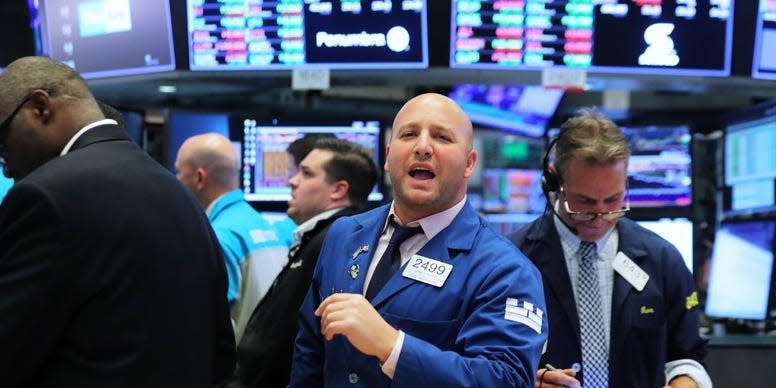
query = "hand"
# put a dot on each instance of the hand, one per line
(682, 382)
(354, 317)
(558, 378)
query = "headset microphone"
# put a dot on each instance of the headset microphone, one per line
(551, 183)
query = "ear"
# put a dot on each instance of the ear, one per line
(340, 190)
(385, 165)
(471, 161)
(202, 178)
(41, 102)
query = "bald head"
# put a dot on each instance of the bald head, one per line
(207, 164)
(214, 153)
(436, 103)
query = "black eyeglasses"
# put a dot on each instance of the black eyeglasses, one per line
(590, 216)
(6, 124)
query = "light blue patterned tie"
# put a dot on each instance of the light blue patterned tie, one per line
(595, 359)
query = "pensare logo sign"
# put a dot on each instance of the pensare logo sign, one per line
(397, 39)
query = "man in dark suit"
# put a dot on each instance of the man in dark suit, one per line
(621, 303)
(109, 272)
(333, 180)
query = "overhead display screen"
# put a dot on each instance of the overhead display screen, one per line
(519, 109)
(341, 34)
(764, 61)
(108, 38)
(679, 37)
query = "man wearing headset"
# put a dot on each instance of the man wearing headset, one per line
(621, 303)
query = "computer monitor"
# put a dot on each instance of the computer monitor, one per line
(263, 143)
(517, 109)
(108, 38)
(690, 38)
(764, 58)
(511, 190)
(740, 280)
(506, 186)
(338, 34)
(677, 231)
(183, 124)
(660, 167)
(749, 165)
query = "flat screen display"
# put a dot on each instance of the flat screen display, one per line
(510, 172)
(659, 170)
(677, 231)
(107, 38)
(338, 34)
(184, 124)
(506, 184)
(514, 108)
(263, 145)
(764, 60)
(741, 269)
(506, 190)
(749, 162)
(615, 36)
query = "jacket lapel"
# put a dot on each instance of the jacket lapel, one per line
(360, 248)
(548, 257)
(458, 236)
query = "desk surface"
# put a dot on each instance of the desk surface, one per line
(732, 340)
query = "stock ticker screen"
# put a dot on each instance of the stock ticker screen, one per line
(276, 35)
(679, 37)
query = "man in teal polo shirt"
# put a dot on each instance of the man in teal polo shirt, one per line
(254, 253)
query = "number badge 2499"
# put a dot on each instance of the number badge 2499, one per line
(427, 270)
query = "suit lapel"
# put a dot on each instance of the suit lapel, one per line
(360, 248)
(549, 258)
(458, 236)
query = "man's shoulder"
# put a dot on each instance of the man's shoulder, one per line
(324, 224)
(656, 251)
(356, 219)
(530, 231)
(631, 233)
(243, 222)
(237, 214)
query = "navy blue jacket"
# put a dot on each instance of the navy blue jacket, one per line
(457, 335)
(648, 328)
